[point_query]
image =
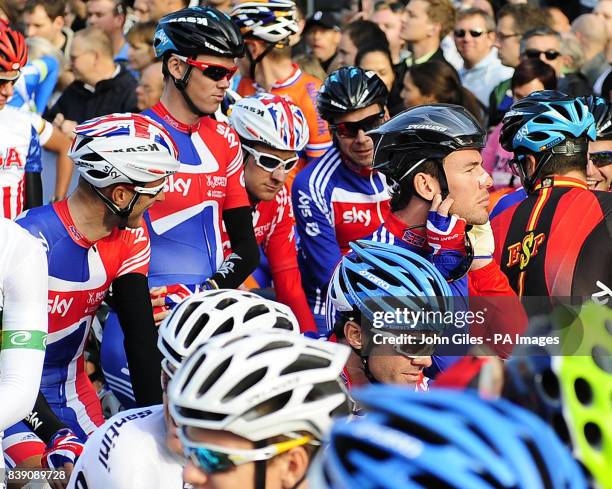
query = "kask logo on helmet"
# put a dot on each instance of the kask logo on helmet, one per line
(189, 20)
(142, 148)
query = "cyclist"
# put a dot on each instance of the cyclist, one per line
(267, 27)
(431, 153)
(252, 409)
(558, 241)
(108, 457)
(23, 329)
(94, 239)
(272, 130)
(375, 278)
(197, 47)
(20, 163)
(443, 439)
(340, 198)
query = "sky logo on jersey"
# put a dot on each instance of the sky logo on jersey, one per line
(355, 215)
(177, 185)
(60, 306)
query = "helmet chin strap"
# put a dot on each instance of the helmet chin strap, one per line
(529, 181)
(181, 86)
(122, 214)
(253, 61)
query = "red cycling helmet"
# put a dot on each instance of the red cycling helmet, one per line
(13, 49)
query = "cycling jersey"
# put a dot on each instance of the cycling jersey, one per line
(23, 299)
(508, 201)
(302, 89)
(129, 451)
(19, 153)
(273, 223)
(334, 204)
(35, 85)
(80, 273)
(558, 241)
(185, 228)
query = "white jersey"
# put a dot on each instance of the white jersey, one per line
(23, 299)
(129, 452)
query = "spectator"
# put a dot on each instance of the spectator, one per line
(310, 65)
(356, 35)
(592, 34)
(109, 15)
(437, 82)
(222, 5)
(101, 87)
(604, 10)
(141, 10)
(558, 20)
(484, 5)
(424, 25)
(513, 21)
(140, 52)
(45, 18)
(75, 14)
(388, 16)
(150, 86)
(482, 70)
(545, 44)
(529, 76)
(377, 58)
(159, 8)
(322, 34)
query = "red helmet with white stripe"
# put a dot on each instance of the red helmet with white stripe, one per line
(271, 120)
(123, 148)
(13, 49)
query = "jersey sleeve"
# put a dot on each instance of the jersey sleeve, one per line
(320, 139)
(33, 158)
(235, 195)
(24, 322)
(137, 253)
(43, 128)
(279, 245)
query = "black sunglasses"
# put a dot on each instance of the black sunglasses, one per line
(350, 129)
(550, 54)
(601, 158)
(461, 33)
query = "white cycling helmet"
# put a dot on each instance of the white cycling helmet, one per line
(261, 385)
(123, 148)
(271, 120)
(212, 312)
(271, 21)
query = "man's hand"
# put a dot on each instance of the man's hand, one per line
(65, 125)
(444, 232)
(61, 454)
(165, 298)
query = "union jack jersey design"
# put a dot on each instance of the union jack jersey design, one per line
(186, 228)
(334, 205)
(19, 153)
(80, 273)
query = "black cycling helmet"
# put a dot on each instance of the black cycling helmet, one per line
(424, 132)
(602, 113)
(348, 89)
(198, 30)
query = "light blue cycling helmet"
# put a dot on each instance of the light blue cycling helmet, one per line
(544, 123)
(383, 277)
(443, 439)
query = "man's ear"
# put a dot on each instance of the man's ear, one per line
(530, 164)
(255, 48)
(120, 195)
(426, 185)
(352, 333)
(295, 464)
(175, 67)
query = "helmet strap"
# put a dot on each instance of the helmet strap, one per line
(124, 213)
(181, 86)
(260, 467)
(254, 61)
(530, 181)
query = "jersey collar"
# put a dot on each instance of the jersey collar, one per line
(63, 212)
(161, 110)
(414, 236)
(291, 79)
(560, 181)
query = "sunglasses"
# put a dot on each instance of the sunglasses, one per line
(411, 351)
(270, 162)
(550, 54)
(210, 70)
(461, 33)
(601, 158)
(351, 129)
(151, 191)
(214, 458)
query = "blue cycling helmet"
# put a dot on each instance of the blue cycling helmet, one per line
(443, 439)
(544, 123)
(383, 277)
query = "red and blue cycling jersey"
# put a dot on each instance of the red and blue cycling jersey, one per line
(80, 274)
(335, 202)
(186, 227)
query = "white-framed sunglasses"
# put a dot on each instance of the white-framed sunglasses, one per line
(271, 162)
(152, 191)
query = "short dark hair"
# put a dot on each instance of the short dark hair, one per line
(403, 191)
(532, 69)
(539, 31)
(373, 48)
(364, 32)
(53, 8)
(560, 164)
(526, 17)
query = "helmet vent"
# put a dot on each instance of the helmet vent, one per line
(542, 466)
(225, 303)
(538, 136)
(171, 351)
(602, 358)
(196, 330)
(270, 406)
(609, 326)
(91, 157)
(323, 390)
(187, 314)
(563, 111)
(203, 415)
(560, 426)
(283, 323)
(542, 119)
(226, 327)
(274, 345)
(592, 433)
(246, 383)
(306, 362)
(550, 384)
(213, 377)
(255, 311)
(583, 391)
(97, 174)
